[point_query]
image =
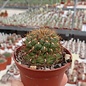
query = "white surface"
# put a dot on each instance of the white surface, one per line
(7, 84)
(84, 27)
(70, 85)
(79, 6)
(13, 11)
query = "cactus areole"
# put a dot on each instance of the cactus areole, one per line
(41, 59)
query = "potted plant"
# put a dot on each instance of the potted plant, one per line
(41, 59)
(3, 63)
(62, 2)
(9, 45)
(8, 57)
(69, 3)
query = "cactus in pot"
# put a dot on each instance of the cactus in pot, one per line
(42, 51)
(8, 57)
(3, 63)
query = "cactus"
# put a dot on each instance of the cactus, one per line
(2, 59)
(42, 48)
(7, 54)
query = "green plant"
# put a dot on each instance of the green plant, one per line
(41, 48)
(1, 61)
(7, 54)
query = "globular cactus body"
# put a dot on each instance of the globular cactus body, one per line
(42, 48)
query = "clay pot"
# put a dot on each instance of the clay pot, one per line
(3, 64)
(5, 14)
(75, 28)
(72, 78)
(62, 2)
(69, 3)
(46, 26)
(81, 77)
(84, 22)
(2, 48)
(70, 82)
(33, 77)
(8, 58)
(9, 47)
(56, 27)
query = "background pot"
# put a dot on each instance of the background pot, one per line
(32, 77)
(2, 48)
(8, 60)
(8, 57)
(3, 64)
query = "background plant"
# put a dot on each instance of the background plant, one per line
(7, 54)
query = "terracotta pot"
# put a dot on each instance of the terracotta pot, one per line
(64, 80)
(75, 28)
(84, 3)
(9, 47)
(81, 83)
(32, 77)
(56, 27)
(8, 60)
(46, 26)
(84, 22)
(62, 2)
(2, 48)
(70, 82)
(68, 1)
(3, 64)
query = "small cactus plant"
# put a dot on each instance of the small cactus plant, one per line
(42, 48)
(7, 54)
(1, 60)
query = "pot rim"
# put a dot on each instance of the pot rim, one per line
(21, 65)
